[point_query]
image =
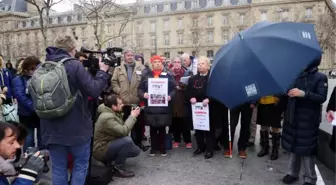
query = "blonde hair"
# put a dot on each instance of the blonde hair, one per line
(205, 59)
(19, 68)
(65, 42)
(1, 62)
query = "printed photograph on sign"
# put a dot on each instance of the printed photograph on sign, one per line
(157, 99)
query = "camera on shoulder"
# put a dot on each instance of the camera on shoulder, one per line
(111, 57)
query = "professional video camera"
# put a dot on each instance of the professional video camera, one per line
(111, 57)
(30, 152)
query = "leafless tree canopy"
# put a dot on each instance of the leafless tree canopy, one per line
(100, 12)
(43, 10)
(197, 34)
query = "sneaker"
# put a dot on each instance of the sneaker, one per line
(227, 153)
(152, 153)
(288, 179)
(163, 153)
(242, 154)
(176, 145)
(188, 145)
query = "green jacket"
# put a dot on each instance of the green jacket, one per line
(109, 127)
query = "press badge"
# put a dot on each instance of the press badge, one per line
(138, 72)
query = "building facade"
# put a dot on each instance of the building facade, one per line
(198, 27)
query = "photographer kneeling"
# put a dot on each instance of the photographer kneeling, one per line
(8, 147)
(111, 140)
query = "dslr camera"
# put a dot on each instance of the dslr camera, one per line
(110, 56)
(30, 152)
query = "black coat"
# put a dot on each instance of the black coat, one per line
(157, 116)
(332, 107)
(303, 114)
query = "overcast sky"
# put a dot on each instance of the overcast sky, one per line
(66, 5)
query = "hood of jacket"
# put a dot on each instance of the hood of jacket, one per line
(102, 108)
(56, 54)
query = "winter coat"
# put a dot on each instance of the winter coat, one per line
(25, 103)
(109, 127)
(179, 102)
(6, 168)
(157, 116)
(303, 114)
(127, 90)
(332, 107)
(76, 126)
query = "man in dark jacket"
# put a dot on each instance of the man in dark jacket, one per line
(301, 123)
(331, 116)
(71, 134)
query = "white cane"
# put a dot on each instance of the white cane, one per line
(230, 143)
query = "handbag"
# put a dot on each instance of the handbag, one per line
(9, 112)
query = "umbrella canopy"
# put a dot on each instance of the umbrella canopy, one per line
(263, 60)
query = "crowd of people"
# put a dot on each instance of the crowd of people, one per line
(120, 119)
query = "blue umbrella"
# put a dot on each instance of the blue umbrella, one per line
(262, 60)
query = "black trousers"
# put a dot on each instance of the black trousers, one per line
(137, 131)
(205, 140)
(180, 127)
(157, 138)
(219, 116)
(245, 120)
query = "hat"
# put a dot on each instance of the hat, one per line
(136, 57)
(156, 57)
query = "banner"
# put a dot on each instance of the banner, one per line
(200, 115)
(158, 92)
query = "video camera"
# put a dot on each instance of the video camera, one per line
(111, 57)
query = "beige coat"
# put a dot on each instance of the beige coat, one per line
(126, 90)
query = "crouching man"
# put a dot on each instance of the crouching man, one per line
(111, 140)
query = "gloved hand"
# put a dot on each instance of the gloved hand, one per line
(32, 168)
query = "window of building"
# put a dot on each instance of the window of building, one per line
(180, 38)
(59, 20)
(69, 18)
(167, 54)
(166, 24)
(24, 24)
(50, 20)
(139, 41)
(210, 54)
(211, 3)
(123, 41)
(180, 6)
(180, 23)
(153, 40)
(309, 12)
(225, 20)
(210, 36)
(283, 14)
(166, 7)
(194, 4)
(263, 15)
(225, 36)
(153, 9)
(241, 18)
(210, 20)
(195, 37)
(32, 23)
(153, 26)
(139, 28)
(79, 17)
(83, 32)
(166, 39)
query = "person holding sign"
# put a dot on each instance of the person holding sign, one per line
(331, 117)
(196, 92)
(158, 88)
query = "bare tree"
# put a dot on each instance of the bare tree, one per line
(43, 10)
(10, 47)
(105, 14)
(197, 34)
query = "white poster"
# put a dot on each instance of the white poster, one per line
(158, 92)
(200, 115)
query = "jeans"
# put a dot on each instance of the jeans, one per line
(294, 166)
(121, 149)
(30, 139)
(59, 159)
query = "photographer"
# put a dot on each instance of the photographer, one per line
(111, 140)
(8, 147)
(72, 132)
(125, 81)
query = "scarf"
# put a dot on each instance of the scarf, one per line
(157, 73)
(129, 69)
(178, 73)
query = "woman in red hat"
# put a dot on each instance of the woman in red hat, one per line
(157, 117)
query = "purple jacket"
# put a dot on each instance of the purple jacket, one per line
(75, 127)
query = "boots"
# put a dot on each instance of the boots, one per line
(275, 145)
(264, 143)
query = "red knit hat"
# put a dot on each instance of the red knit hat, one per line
(156, 57)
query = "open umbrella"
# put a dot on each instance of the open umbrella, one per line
(263, 60)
